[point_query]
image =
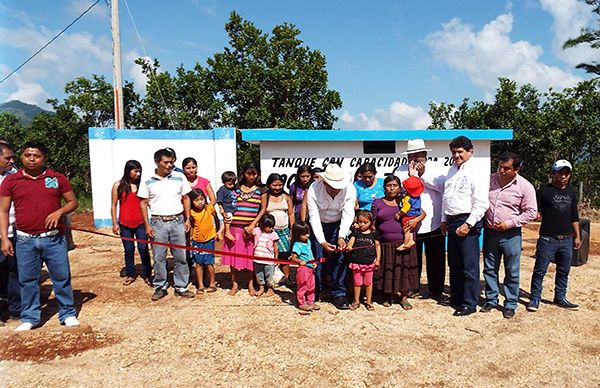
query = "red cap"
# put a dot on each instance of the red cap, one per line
(413, 186)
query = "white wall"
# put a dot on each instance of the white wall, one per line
(284, 157)
(215, 151)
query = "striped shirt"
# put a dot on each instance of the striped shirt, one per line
(248, 207)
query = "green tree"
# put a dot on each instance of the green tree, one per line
(588, 36)
(272, 81)
(547, 127)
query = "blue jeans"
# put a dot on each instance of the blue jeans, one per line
(495, 245)
(52, 250)
(463, 260)
(139, 233)
(335, 266)
(264, 274)
(11, 279)
(169, 232)
(548, 249)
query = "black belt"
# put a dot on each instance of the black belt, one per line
(454, 217)
(561, 236)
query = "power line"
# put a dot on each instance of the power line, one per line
(151, 73)
(47, 44)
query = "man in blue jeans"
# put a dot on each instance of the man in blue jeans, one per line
(165, 194)
(330, 203)
(36, 192)
(9, 281)
(464, 203)
(512, 205)
(559, 234)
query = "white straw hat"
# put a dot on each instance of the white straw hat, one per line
(335, 177)
(414, 146)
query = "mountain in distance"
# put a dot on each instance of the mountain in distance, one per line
(25, 112)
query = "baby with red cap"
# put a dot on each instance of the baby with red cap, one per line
(410, 208)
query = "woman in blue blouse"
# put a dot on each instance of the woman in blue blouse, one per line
(368, 187)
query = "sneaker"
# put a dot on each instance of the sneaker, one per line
(159, 293)
(564, 303)
(533, 305)
(185, 294)
(71, 322)
(25, 326)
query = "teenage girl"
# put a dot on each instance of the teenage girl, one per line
(304, 178)
(129, 222)
(205, 224)
(305, 277)
(365, 256)
(280, 206)
(251, 202)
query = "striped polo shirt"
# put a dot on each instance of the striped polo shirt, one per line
(164, 193)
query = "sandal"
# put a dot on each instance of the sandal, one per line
(406, 305)
(387, 303)
(128, 281)
(354, 306)
(200, 290)
(369, 306)
(211, 289)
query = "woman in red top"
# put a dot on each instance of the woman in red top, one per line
(190, 170)
(130, 223)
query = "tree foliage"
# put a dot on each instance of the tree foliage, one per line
(588, 36)
(547, 126)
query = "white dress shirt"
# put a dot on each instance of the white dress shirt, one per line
(466, 192)
(323, 208)
(431, 199)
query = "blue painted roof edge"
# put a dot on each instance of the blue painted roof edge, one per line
(111, 134)
(257, 135)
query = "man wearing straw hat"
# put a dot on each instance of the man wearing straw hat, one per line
(429, 236)
(330, 202)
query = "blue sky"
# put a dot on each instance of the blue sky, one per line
(388, 59)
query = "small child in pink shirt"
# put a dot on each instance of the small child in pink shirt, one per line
(265, 246)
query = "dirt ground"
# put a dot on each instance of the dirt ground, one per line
(231, 341)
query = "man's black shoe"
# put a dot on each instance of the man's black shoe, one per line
(159, 293)
(508, 313)
(565, 304)
(185, 294)
(463, 312)
(441, 299)
(340, 303)
(487, 307)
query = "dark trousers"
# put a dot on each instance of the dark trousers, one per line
(463, 259)
(129, 249)
(334, 265)
(9, 283)
(434, 245)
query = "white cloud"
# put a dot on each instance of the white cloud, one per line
(134, 71)
(67, 58)
(100, 11)
(490, 53)
(399, 115)
(570, 16)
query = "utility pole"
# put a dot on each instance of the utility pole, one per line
(117, 76)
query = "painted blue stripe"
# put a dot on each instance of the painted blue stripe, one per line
(102, 223)
(374, 135)
(196, 134)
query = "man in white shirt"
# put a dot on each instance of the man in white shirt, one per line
(464, 204)
(165, 195)
(9, 278)
(330, 203)
(429, 235)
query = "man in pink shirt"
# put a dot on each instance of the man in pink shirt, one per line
(512, 205)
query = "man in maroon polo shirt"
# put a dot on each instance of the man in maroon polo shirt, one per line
(36, 192)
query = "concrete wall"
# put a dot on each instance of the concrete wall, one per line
(215, 151)
(281, 153)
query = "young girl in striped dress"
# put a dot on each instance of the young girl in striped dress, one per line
(251, 200)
